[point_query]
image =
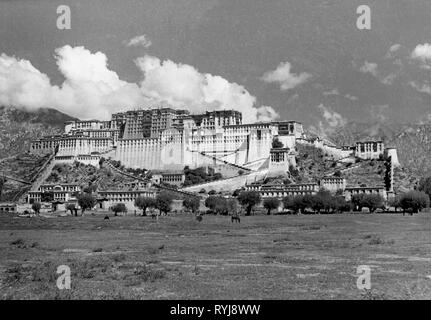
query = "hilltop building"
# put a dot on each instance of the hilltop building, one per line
(369, 149)
(168, 139)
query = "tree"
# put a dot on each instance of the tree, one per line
(70, 207)
(425, 185)
(144, 203)
(357, 201)
(210, 202)
(415, 201)
(192, 204)
(164, 201)
(289, 203)
(2, 183)
(36, 207)
(86, 202)
(271, 204)
(119, 207)
(249, 199)
(395, 202)
(340, 204)
(308, 201)
(232, 206)
(372, 201)
(300, 203)
(221, 205)
(317, 202)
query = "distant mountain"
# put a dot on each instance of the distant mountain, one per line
(412, 141)
(19, 127)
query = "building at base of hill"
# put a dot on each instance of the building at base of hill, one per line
(332, 184)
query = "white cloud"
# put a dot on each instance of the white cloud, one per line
(394, 48)
(379, 112)
(266, 113)
(392, 51)
(424, 88)
(351, 97)
(422, 52)
(183, 85)
(22, 85)
(369, 67)
(332, 119)
(92, 90)
(389, 79)
(285, 77)
(142, 41)
(333, 92)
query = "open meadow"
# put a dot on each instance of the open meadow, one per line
(177, 257)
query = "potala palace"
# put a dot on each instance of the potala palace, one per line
(166, 139)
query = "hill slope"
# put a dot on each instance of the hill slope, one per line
(18, 128)
(412, 142)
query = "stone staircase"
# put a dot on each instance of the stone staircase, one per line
(41, 175)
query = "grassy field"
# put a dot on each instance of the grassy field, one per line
(275, 257)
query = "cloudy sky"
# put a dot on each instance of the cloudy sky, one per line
(285, 59)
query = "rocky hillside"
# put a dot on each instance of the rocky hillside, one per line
(412, 142)
(18, 128)
(87, 176)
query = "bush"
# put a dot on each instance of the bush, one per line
(337, 173)
(200, 175)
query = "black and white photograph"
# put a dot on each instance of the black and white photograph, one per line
(233, 151)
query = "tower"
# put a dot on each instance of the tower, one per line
(392, 153)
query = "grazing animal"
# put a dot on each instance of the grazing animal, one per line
(235, 218)
(155, 216)
(106, 218)
(162, 247)
(199, 218)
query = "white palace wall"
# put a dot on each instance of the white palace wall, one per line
(195, 148)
